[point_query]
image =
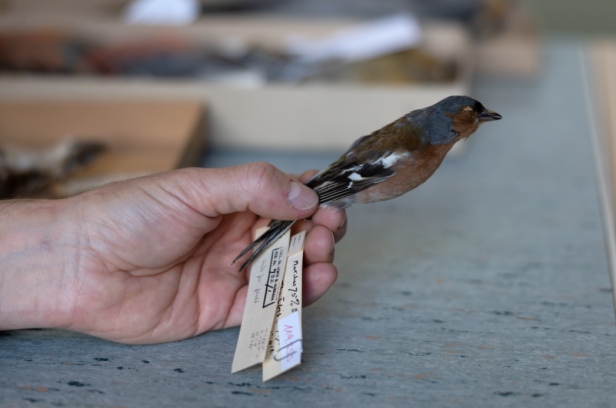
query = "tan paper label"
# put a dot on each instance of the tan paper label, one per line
(266, 277)
(283, 357)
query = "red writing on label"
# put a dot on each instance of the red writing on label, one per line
(287, 336)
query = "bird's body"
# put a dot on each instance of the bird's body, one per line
(390, 161)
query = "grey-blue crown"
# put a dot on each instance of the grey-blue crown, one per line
(436, 120)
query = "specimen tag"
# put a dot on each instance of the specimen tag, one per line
(266, 277)
(285, 343)
(290, 333)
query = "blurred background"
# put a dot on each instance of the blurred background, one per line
(101, 90)
(575, 17)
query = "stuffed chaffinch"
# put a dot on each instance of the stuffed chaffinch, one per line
(390, 161)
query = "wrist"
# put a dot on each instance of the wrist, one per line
(37, 257)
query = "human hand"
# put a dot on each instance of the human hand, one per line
(149, 260)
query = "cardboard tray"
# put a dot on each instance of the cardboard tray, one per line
(313, 117)
(141, 136)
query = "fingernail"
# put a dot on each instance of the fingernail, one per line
(343, 221)
(302, 197)
(333, 243)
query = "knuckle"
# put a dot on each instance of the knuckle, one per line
(260, 176)
(191, 173)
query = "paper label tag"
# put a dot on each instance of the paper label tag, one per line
(266, 276)
(290, 303)
(290, 333)
(297, 243)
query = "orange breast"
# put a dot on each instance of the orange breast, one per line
(411, 172)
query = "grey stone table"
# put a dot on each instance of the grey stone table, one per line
(487, 286)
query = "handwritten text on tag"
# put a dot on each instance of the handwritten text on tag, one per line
(290, 332)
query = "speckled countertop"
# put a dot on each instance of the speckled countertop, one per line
(487, 286)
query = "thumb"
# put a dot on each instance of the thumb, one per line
(257, 187)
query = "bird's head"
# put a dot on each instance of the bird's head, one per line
(453, 118)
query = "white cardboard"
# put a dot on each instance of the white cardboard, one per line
(366, 41)
(162, 12)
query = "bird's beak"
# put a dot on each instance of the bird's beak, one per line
(487, 116)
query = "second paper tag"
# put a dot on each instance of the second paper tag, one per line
(285, 345)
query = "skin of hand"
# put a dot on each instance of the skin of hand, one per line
(149, 260)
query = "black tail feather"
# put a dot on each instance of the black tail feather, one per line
(249, 247)
(275, 231)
